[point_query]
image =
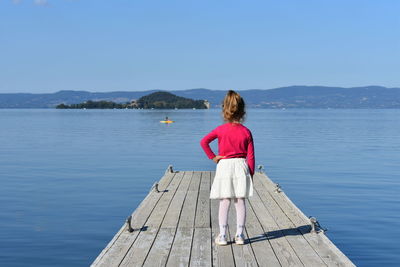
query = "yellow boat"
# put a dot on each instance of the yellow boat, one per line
(167, 121)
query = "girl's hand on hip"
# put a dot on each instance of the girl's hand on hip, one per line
(217, 158)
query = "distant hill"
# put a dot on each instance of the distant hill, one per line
(284, 97)
(166, 100)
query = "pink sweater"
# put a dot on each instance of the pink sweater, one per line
(234, 141)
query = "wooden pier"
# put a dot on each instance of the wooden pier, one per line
(176, 223)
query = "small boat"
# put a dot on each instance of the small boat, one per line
(167, 121)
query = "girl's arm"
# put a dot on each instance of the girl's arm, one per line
(250, 155)
(206, 141)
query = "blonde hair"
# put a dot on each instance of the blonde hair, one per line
(233, 107)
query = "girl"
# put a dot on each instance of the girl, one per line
(235, 165)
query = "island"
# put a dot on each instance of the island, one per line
(94, 105)
(156, 100)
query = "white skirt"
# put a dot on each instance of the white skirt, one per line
(232, 179)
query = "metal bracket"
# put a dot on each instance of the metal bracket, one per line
(260, 168)
(278, 188)
(169, 169)
(316, 226)
(155, 187)
(128, 222)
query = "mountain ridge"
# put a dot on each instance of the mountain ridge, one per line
(297, 96)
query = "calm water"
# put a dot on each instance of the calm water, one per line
(69, 178)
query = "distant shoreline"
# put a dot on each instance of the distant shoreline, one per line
(156, 100)
(312, 97)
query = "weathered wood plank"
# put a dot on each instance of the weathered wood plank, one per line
(260, 244)
(205, 181)
(304, 251)
(182, 245)
(119, 245)
(172, 216)
(181, 248)
(327, 251)
(201, 248)
(160, 249)
(203, 202)
(138, 252)
(159, 211)
(195, 182)
(201, 245)
(189, 207)
(177, 227)
(285, 253)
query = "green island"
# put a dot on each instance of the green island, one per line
(157, 100)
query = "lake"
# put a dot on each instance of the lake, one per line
(69, 178)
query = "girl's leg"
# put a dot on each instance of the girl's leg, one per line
(240, 215)
(223, 215)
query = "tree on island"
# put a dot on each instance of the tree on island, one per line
(157, 100)
(93, 105)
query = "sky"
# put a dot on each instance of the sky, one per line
(130, 45)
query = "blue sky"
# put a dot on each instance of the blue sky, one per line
(95, 45)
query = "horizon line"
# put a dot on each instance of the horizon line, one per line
(200, 88)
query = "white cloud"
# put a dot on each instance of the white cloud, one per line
(16, 2)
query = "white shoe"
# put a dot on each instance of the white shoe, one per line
(239, 239)
(220, 240)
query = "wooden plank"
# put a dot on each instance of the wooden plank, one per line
(182, 245)
(181, 248)
(195, 182)
(201, 245)
(189, 207)
(300, 245)
(201, 248)
(139, 250)
(284, 252)
(205, 181)
(203, 202)
(258, 239)
(174, 211)
(119, 245)
(160, 249)
(327, 251)
(244, 255)
(159, 211)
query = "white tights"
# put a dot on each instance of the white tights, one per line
(240, 215)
